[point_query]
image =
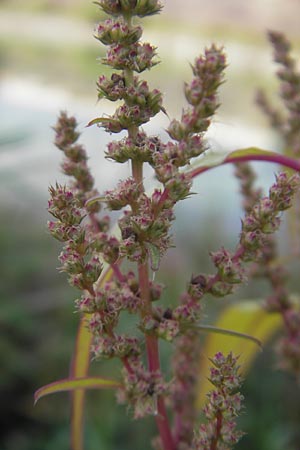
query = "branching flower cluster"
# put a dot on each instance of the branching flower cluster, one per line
(224, 405)
(144, 237)
(286, 124)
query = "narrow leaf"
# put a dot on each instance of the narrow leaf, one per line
(93, 200)
(154, 255)
(240, 155)
(250, 151)
(103, 121)
(99, 120)
(247, 317)
(217, 330)
(79, 368)
(72, 384)
(210, 158)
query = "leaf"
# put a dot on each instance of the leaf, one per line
(217, 330)
(154, 255)
(79, 368)
(72, 384)
(99, 120)
(250, 151)
(210, 158)
(247, 317)
(240, 155)
(91, 201)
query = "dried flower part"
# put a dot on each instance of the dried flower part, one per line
(126, 193)
(64, 206)
(229, 269)
(107, 347)
(161, 323)
(113, 31)
(223, 405)
(75, 162)
(201, 94)
(140, 149)
(145, 230)
(141, 389)
(140, 8)
(138, 57)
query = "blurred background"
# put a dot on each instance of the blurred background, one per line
(49, 61)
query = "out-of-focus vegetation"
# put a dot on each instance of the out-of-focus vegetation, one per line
(78, 8)
(62, 58)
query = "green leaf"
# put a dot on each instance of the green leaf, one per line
(72, 384)
(103, 121)
(99, 120)
(250, 151)
(154, 255)
(93, 200)
(79, 368)
(217, 330)
(247, 317)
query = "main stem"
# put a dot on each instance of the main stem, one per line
(152, 349)
(162, 420)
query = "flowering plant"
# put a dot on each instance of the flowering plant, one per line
(112, 269)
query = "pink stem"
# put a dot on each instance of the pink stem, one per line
(216, 438)
(162, 420)
(275, 158)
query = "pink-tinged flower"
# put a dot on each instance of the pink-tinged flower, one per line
(223, 405)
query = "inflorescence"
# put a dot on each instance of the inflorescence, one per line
(144, 237)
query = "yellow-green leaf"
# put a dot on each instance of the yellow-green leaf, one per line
(247, 317)
(98, 120)
(80, 368)
(217, 330)
(250, 151)
(72, 384)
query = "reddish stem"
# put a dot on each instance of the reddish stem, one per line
(216, 438)
(127, 365)
(162, 420)
(275, 158)
(163, 425)
(117, 272)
